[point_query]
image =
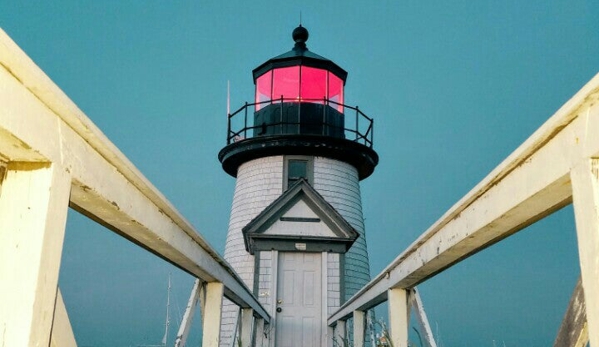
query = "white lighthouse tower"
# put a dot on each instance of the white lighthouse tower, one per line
(296, 234)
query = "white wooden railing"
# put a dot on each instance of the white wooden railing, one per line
(52, 157)
(556, 166)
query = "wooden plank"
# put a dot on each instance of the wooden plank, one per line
(585, 183)
(359, 328)
(213, 310)
(530, 184)
(573, 331)
(340, 337)
(33, 213)
(399, 317)
(43, 124)
(187, 319)
(422, 319)
(62, 333)
(246, 326)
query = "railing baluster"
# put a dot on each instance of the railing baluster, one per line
(324, 117)
(245, 121)
(228, 129)
(357, 124)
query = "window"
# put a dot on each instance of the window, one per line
(299, 83)
(296, 168)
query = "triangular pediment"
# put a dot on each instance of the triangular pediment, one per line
(299, 219)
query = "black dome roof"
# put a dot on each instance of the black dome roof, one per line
(300, 55)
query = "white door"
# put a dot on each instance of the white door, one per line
(299, 296)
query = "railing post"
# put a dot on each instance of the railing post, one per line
(34, 201)
(212, 314)
(371, 133)
(357, 123)
(281, 113)
(324, 116)
(399, 316)
(245, 335)
(261, 337)
(340, 333)
(245, 121)
(359, 325)
(228, 129)
(585, 194)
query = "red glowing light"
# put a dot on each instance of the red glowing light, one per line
(301, 83)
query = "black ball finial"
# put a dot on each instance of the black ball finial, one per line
(300, 35)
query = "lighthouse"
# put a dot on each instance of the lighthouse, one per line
(296, 232)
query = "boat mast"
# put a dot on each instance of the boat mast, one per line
(168, 303)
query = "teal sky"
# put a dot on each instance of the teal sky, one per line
(454, 87)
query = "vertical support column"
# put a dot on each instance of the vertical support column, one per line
(34, 202)
(247, 315)
(585, 193)
(261, 338)
(212, 314)
(359, 325)
(340, 333)
(399, 316)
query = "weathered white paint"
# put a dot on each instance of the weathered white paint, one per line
(359, 328)
(399, 317)
(212, 309)
(38, 123)
(530, 184)
(340, 333)
(62, 333)
(585, 183)
(262, 333)
(247, 315)
(187, 319)
(33, 212)
(422, 318)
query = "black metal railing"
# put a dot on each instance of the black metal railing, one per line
(362, 132)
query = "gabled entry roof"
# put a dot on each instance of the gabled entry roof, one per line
(299, 220)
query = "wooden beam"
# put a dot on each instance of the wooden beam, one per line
(585, 183)
(62, 333)
(359, 328)
(39, 123)
(213, 310)
(340, 337)
(530, 184)
(246, 326)
(33, 213)
(422, 318)
(573, 331)
(187, 319)
(399, 317)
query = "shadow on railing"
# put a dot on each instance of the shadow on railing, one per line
(285, 116)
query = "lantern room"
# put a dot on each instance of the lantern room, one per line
(299, 109)
(299, 92)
